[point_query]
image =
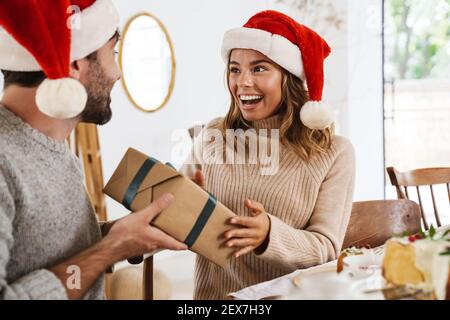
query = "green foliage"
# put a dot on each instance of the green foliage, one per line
(418, 38)
(432, 232)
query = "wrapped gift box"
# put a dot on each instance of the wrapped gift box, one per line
(195, 217)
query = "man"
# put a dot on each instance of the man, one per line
(53, 79)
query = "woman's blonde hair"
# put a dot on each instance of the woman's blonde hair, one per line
(293, 133)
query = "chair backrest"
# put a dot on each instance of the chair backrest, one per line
(372, 223)
(420, 177)
(85, 143)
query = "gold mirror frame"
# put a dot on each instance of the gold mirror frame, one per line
(172, 56)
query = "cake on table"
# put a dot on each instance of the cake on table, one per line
(412, 266)
(419, 262)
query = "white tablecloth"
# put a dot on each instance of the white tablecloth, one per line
(317, 283)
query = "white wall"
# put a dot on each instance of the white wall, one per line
(363, 120)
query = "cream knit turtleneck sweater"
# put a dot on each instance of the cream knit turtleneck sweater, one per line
(308, 204)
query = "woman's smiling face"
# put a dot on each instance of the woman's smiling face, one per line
(255, 82)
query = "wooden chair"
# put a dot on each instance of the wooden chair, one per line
(87, 148)
(372, 223)
(420, 177)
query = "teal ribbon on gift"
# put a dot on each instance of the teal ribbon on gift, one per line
(170, 165)
(136, 183)
(202, 219)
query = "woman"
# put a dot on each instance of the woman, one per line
(297, 215)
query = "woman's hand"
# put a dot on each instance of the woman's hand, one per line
(254, 233)
(199, 178)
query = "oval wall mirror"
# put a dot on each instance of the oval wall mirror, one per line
(147, 61)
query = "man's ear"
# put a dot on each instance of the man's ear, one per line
(78, 68)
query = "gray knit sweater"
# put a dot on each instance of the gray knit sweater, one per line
(45, 213)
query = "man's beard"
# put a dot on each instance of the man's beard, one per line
(98, 106)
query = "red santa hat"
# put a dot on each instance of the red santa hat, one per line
(47, 35)
(293, 46)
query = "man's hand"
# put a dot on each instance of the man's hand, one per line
(133, 235)
(255, 231)
(128, 237)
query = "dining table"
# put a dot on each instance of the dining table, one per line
(324, 282)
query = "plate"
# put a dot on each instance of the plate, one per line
(326, 284)
(362, 266)
(321, 284)
(368, 288)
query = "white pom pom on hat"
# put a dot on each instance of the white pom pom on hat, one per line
(54, 42)
(316, 115)
(293, 46)
(61, 98)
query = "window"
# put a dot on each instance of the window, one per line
(417, 90)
